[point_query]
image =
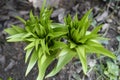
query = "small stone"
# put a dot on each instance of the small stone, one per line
(61, 17)
(2, 60)
(13, 13)
(92, 63)
(57, 12)
(118, 29)
(23, 12)
(105, 27)
(96, 10)
(102, 17)
(75, 8)
(66, 4)
(51, 3)
(10, 65)
(109, 20)
(119, 14)
(79, 69)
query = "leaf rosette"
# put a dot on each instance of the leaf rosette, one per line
(42, 38)
(80, 41)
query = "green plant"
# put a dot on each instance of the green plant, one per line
(9, 78)
(40, 35)
(80, 42)
(112, 71)
(44, 41)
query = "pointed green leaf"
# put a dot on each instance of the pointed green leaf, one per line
(58, 45)
(62, 61)
(30, 39)
(57, 25)
(76, 35)
(37, 41)
(68, 19)
(43, 45)
(40, 52)
(30, 45)
(64, 51)
(21, 19)
(14, 40)
(33, 60)
(85, 17)
(82, 55)
(37, 29)
(88, 37)
(42, 65)
(16, 35)
(98, 48)
(43, 7)
(76, 18)
(94, 31)
(72, 45)
(28, 29)
(11, 31)
(56, 34)
(61, 28)
(28, 52)
(32, 17)
(18, 29)
(26, 35)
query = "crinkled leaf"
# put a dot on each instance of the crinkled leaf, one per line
(43, 45)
